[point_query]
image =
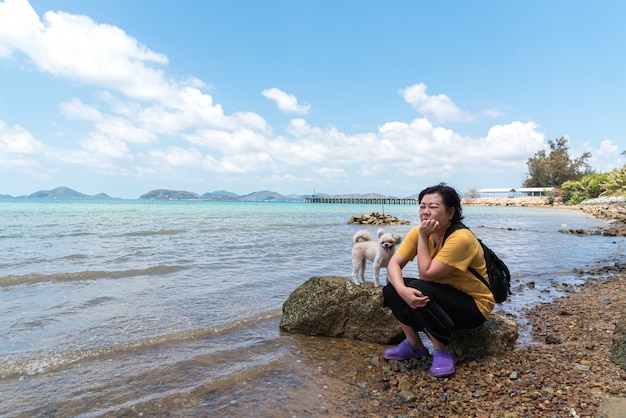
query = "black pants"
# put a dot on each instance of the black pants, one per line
(447, 310)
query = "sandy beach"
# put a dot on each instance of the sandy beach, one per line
(564, 371)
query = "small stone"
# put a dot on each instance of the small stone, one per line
(551, 339)
(404, 385)
(407, 396)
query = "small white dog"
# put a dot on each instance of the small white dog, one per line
(378, 251)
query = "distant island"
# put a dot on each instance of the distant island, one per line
(166, 194)
(62, 193)
(222, 195)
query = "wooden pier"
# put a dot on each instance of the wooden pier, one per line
(365, 200)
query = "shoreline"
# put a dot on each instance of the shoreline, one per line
(565, 370)
(612, 209)
(513, 201)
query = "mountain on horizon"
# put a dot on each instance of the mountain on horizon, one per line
(265, 196)
(67, 193)
(218, 195)
(164, 194)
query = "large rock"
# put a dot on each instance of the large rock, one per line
(618, 349)
(377, 218)
(611, 407)
(333, 306)
(495, 337)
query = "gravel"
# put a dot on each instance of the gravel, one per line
(565, 371)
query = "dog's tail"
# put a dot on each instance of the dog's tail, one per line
(362, 235)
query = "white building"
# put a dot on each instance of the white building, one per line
(519, 192)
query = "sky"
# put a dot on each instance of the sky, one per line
(296, 97)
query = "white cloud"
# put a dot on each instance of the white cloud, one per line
(177, 157)
(605, 158)
(513, 141)
(17, 140)
(76, 109)
(105, 147)
(19, 25)
(439, 106)
(287, 103)
(76, 47)
(332, 173)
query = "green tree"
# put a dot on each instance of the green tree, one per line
(588, 187)
(615, 182)
(556, 167)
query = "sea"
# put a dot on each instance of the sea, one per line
(172, 308)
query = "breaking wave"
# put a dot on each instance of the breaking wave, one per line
(14, 280)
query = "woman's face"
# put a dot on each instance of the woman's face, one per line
(432, 207)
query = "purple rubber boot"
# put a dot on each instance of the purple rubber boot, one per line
(405, 351)
(443, 364)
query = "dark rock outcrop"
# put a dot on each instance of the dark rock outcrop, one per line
(333, 306)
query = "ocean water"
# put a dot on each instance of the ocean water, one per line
(130, 308)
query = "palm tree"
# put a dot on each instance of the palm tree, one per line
(616, 182)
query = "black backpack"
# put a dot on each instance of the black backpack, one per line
(498, 272)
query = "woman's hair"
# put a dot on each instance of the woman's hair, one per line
(450, 198)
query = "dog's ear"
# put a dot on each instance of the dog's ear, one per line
(381, 232)
(397, 237)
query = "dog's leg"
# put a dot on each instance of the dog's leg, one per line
(363, 265)
(355, 274)
(357, 269)
(376, 272)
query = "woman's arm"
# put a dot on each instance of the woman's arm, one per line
(394, 271)
(430, 270)
(413, 297)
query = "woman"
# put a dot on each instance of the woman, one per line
(446, 296)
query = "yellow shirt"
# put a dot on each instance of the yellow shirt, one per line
(461, 251)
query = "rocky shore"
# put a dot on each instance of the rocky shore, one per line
(610, 208)
(565, 371)
(512, 201)
(613, 209)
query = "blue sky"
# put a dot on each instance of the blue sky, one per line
(361, 96)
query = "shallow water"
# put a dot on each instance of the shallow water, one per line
(118, 307)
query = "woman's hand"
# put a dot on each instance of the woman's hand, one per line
(413, 297)
(429, 227)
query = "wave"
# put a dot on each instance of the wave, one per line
(14, 280)
(160, 232)
(75, 257)
(49, 362)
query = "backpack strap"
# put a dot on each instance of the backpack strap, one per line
(456, 227)
(451, 229)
